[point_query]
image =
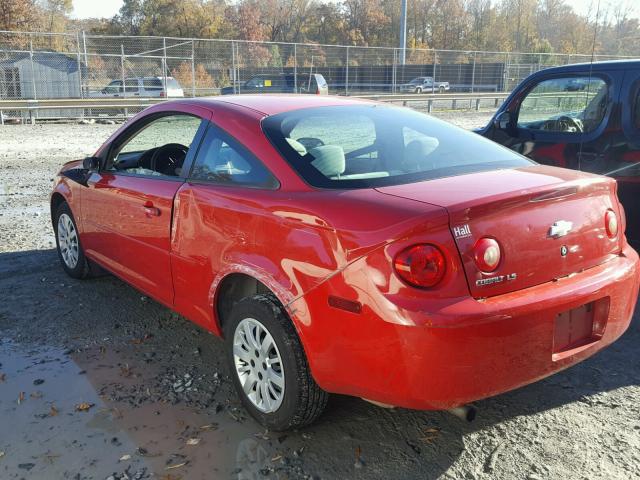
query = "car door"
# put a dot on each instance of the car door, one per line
(131, 87)
(114, 89)
(128, 204)
(565, 120)
(218, 216)
(626, 167)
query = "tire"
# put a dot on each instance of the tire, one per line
(418, 90)
(68, 244)
(441, 89)
(299, 400)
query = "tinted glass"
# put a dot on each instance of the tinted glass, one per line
(131, 85)
(365, 146)
(114, 87)
(152, 83)
(567, 105)
(222, 160)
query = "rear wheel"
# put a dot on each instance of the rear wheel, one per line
(269, 367)
(68, 243)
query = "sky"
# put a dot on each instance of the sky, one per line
(108, 8)
(96, 8)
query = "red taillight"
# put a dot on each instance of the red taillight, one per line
(486, 253)
(611, 223)
(421, 265)
(163, 94)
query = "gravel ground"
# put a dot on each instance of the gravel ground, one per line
(97, 381)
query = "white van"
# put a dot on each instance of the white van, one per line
(145, 87)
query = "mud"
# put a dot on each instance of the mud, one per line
(98, 381)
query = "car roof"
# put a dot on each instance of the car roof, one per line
(271, 104)
(605, 65)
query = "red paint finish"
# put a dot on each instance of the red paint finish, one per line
(329, 255)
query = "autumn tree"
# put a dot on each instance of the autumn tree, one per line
(18, 15)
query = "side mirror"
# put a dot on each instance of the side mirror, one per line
(502, 121)
(91, 163)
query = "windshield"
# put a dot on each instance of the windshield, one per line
(377, 145)
(417, 80)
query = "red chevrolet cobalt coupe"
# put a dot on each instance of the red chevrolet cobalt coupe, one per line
(351, 247)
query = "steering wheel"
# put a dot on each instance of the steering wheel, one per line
(173, 154)
(564, 123)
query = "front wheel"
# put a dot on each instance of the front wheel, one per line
(418, 90)
(68, 243)
(441, 89)
(269, 367)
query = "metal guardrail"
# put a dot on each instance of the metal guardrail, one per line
(82, 108)
(474, 99)
(76, 107)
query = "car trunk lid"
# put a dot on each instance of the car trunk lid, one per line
(549, 222)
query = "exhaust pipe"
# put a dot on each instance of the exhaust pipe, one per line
(464, 412)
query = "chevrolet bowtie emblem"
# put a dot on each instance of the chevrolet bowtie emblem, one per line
(560, 229)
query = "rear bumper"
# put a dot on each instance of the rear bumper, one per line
(461, 351)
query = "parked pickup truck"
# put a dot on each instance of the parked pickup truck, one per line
(424, 85)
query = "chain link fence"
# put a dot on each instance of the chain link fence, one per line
(45, 66)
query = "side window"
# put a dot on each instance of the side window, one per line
(567, 105)
(159, 148)
(114, 87)
(222, 160)
(131, 85)
(152, 83)
(256, 82)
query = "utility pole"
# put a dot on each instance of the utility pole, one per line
(403, 32)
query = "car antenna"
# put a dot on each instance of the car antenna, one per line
(593, 54)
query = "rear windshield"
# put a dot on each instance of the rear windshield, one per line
(377, 145)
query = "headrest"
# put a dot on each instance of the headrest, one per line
(420, 148)
(297, 146)
(329, 159)
(416, 153)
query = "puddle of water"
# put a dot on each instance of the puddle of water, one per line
(44, 436)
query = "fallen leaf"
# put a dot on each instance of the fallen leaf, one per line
(276, 458)
(53, 412)
(193, 441)
(3, 376)
(177, 465)
(211, 426)
(37, 394)
(1, 454)
(20, 398)
(103, 349)
(124, 458)
(431, 434)
(125, 370)
(83, 407)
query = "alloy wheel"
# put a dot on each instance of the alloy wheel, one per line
(68, 241)
(258, 365)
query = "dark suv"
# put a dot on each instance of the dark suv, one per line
(282, 83)
(585, 117)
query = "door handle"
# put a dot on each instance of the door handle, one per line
(150, 210)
